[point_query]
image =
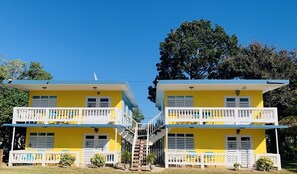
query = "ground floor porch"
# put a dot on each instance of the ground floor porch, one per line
(216, 147)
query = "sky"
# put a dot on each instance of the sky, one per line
(119, 40)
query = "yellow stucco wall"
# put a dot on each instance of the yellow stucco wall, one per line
(78, 98)
(216, 98)
(213, 140)
(72, 139)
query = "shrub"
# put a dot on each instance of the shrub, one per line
(151, 158)
(98, 160)
(126, 157)
(236, 166)
(264, 164)
(67, 159)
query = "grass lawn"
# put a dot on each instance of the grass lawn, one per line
(107, 170)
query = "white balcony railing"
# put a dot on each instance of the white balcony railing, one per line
(213, 159)
(53, 157)
(36, 157)
(68, 115)
(221, 115)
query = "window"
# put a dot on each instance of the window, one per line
(180, 101)
(180, 142)
(102, 102)
(99, 142)
(41, 140)
(44, 101)
(102, 142)
(237, 102)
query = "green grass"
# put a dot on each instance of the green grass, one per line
(290, 166)
(73, 170)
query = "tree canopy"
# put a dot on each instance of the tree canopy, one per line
(137, 115)
(11, 97)
(193, 51)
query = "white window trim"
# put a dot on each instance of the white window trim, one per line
(97, 104)
(96, 139)
(237, 100)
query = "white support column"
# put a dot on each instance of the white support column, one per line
(279, 166)
(11, 148)
(115, 146)
(166, 148)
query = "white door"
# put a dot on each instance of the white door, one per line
(239, 149)
(94, 144)
(232, 149)
(246, 151)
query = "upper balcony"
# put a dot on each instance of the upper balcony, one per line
(59, 115)
(221, 115)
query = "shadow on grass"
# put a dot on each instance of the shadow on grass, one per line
(290, 166)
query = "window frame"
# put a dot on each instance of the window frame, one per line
(42, 98)
(38, 137)
(184, 100)
(185, 145)
(98, 101)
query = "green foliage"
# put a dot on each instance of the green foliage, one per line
(193, 51)
(137, 115)
(67, 159)
(98, 160)
(264, 164)
(10, 97)
(236, 166)
(151, 158)
(126, 157)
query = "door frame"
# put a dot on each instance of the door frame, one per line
(238, 150)
(93, 149)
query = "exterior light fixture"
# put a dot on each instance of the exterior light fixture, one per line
(44, 87)
(191, 87)
(94, 87)
(237, 92)
(95, 129)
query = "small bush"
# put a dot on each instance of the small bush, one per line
(236, 166)
(126, 157)
(264, 164)
(151, 158)
(67, 159)
(98, 160)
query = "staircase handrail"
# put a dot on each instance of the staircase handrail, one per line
(134, 142)
(154, 125)
(128, 122)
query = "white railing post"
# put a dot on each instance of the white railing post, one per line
(77, 159)
(10, 160)
(43, 159)
(166, 115)
(275, 116)
(236, 115)
(14, 115)
(202, 160)
(200, 116)
(166, 147)
(46, 117)
(279, 164)
(80, 116)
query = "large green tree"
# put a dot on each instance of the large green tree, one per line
(257, 61)
(10, 97)
(193, 51)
